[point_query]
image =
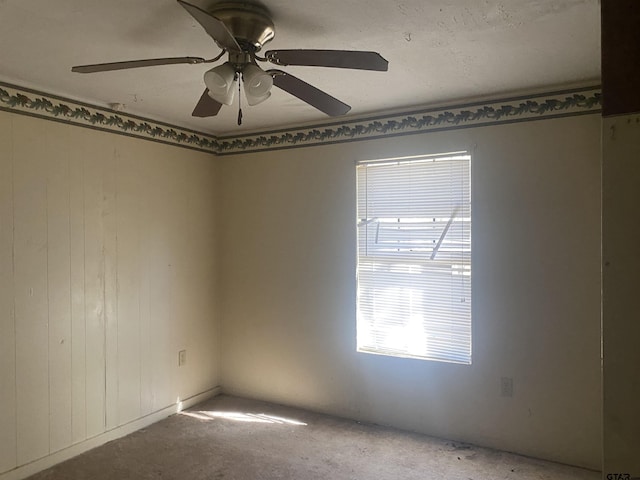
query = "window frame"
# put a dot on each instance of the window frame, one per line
(460, 334)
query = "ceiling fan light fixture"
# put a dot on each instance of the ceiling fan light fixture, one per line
(241, 29)
(220, 81)
(253, 100)
(257, 83)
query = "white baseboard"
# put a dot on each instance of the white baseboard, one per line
(36, 466)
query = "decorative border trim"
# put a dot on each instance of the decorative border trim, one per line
(563, 103)
(50, 107)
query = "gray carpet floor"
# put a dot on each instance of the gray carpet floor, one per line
(234, 438)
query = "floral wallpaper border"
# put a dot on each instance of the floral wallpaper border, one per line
(31, 102)
(548, 105)
(533, 107)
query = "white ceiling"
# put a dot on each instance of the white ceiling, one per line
(438, 51)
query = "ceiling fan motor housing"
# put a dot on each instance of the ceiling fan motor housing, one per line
(250, 24)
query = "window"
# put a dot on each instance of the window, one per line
(414, 257)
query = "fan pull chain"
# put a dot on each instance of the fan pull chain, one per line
(239, 103)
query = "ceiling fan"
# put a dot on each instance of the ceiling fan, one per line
(241, 30)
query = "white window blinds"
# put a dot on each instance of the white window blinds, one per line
(414, 257)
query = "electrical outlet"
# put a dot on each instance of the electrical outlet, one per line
(506, 387)
(182, 357)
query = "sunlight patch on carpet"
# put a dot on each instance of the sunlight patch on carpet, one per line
(242, 417)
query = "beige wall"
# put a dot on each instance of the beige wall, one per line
(621, 265)
(288, 299)
(108, 251)
(107, 271)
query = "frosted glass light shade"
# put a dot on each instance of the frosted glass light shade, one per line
(220, 81)
(252, 100)
(257, 84)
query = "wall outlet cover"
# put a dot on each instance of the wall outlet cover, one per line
(506, 387)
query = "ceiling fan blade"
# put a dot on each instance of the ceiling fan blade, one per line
(152, 62)
(329, 58)
(206, 106)
(214, 27)
(309, 94)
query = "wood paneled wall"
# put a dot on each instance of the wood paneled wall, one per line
(107, 247)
